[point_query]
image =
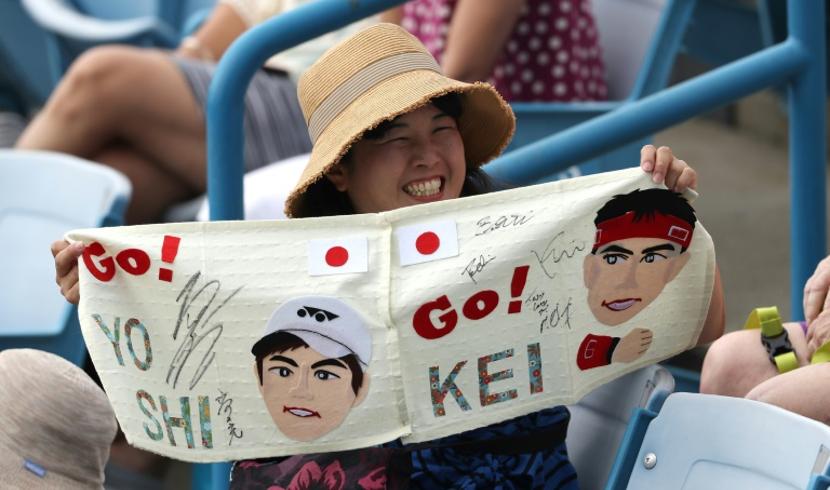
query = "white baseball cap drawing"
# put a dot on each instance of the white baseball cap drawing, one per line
(326, 324)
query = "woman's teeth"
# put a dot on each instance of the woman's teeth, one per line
(423, 189)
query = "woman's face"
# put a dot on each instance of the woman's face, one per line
(419, 159)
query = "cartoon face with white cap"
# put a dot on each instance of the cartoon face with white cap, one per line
(311, 364)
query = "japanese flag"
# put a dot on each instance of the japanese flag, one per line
(338, 256)
(426, 242)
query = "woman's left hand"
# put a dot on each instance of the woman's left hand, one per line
(665, 168)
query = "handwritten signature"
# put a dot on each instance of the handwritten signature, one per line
(552, 316)
(486, 224)
(552, 255)
(475, 266)
(226, 408)
(191, 341)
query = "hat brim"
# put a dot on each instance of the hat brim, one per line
(486, 123)
(326, 346)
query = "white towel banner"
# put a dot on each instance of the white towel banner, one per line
(234, 340)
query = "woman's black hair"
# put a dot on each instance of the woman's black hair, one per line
(323, 199)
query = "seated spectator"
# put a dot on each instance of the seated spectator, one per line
(530, 50)
(57, 423)
(141, 111)
(739, 365)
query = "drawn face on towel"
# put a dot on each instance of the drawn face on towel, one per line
(308, 394)
(640, 247)
(311, 365)
(625, 276)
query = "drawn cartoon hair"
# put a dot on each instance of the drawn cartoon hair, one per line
(282, 341)
(325, 200)
(644, 204)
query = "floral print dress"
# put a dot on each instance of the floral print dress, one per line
(526, 453)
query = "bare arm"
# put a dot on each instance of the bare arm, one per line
(716, 319)
(477, 35)
(220, 29)
(803, 391)
(816, 298)
(393, 16)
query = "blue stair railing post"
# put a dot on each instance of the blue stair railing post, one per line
(808, 146)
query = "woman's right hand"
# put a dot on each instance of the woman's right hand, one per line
(816, 298)
(818, 333)
(66, 268)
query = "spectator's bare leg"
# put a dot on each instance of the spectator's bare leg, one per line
(154, 189)
(737, 362)
(805, 391)
(135, 98)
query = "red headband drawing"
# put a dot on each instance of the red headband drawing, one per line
(663, 226)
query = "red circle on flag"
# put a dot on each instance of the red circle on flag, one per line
(427, 243)
(337, 256)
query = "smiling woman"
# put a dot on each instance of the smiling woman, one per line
(391, 130)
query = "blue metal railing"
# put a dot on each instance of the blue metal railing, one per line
(798, 62)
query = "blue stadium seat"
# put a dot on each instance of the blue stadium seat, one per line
(24, 72)
(599, 421)
(213, 476)
(42, 196)
(75, 26)
(713, 442)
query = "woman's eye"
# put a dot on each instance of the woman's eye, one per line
(325, 375)
(399, 139)
(612, 259)
(652, 257)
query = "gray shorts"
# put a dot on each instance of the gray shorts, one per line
(274, 124)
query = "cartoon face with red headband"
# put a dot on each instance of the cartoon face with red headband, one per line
(639, 247)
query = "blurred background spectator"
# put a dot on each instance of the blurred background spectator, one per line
(57, 423)
(530, 50)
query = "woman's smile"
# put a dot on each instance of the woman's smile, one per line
(425, 189)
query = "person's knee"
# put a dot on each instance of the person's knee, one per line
(760, 393)
(723, 364)
(94, 83)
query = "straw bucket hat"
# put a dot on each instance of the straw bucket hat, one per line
(57, 423)
(376, 75)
